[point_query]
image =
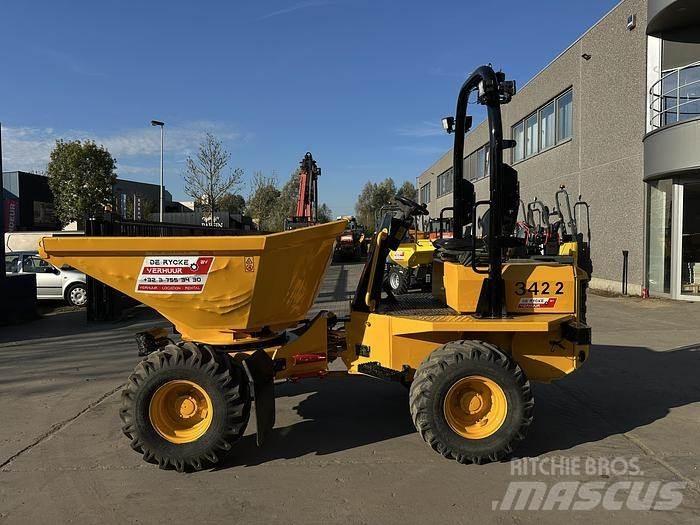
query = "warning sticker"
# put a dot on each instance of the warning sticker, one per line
(537, 302)
(174, 274)
(248, 264)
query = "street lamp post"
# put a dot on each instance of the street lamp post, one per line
(161, 125)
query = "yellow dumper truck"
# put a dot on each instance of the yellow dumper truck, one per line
(409, 265)
(469, 348)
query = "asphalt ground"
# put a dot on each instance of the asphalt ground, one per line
(345, 450)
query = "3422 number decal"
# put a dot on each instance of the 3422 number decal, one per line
(543, 288)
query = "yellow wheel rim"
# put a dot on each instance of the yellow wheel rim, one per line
(475, 407)
(180, 411)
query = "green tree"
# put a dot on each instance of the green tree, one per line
(324, 214)
(81, 177)
(287, 203)
(371, 199)
(232, 202)
(148, 206)
(263, 201)
(364, 205)
(385, 193)
(205, 177)
(408, 190)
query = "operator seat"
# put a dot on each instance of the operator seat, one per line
(459, 250)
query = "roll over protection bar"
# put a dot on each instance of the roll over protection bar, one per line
(493, 91)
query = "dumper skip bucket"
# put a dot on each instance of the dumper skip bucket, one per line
(215, 290)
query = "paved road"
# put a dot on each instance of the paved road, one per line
(345, 451)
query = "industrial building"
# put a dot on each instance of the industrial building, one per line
(616, 119)
(29, 204)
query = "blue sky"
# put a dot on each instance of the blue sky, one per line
(362, 84)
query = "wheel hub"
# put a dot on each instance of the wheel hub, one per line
(180, 411)
(475, 407)
(78, 296)
(188, 406)
(471, 402)
(394, 279)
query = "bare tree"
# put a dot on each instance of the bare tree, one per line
(205, 177)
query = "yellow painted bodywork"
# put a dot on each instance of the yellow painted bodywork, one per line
(257, 284)
(540, 298)
(396, 341)
(308, 340)
(413, 254)
(532, 287)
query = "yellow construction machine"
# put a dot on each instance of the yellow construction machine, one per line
(469, 348)
(409, 266)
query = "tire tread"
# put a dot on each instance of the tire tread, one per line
(454, 353)
(222, 371)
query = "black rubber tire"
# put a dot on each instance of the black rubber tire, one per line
(440, 370)
(397, 281)
(224, 381)
(69, 291)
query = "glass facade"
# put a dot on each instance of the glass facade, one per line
(659, 236)
(690, 240)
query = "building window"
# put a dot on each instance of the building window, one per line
(425, 193)
(519, 137)
(565, 107)
(481, 163)
(550, 125)
(444, 183)
(531, 135)
(476, 164)
(547, 134)
(471, 160)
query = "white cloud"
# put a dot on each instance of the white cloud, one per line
(297, 7)
(426, 128)
(28, 148)
(422, 150)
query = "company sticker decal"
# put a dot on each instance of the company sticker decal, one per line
(186, 274)
(537, 302)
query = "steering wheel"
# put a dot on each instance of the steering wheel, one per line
(413, 207)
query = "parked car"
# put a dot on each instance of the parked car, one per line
(51, 283)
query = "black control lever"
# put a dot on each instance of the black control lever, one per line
(411, 208)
